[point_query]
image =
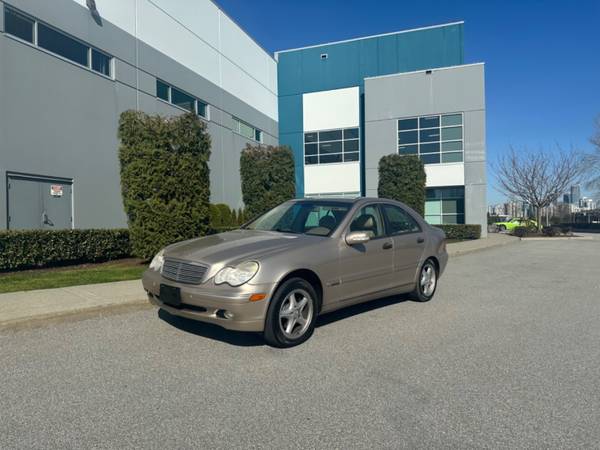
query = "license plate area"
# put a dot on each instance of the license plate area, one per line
(170, 295)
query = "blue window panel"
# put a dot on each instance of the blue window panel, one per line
(408, 149)
(311, 149)
(18, 25)
(63, 45)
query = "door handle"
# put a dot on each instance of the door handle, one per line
(387, 245)
(420, 240)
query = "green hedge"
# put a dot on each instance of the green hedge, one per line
(222, 216)
(268, 178)
(461, 231)
(164, 179)
(403, 178)
(40, 248)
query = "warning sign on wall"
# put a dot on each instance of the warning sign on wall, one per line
(56, 190)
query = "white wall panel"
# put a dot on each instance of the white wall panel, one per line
(120, 12)
(200, 17)
(325, 110)
(247, 89)
(244, 52)
(331, 178)
(445, 174)
(171, 38)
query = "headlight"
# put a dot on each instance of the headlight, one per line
(157, 261)
(238, 275)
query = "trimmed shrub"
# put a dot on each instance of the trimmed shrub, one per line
(403, 178)
(550, 231)
(164, 179)
(223, 218)
(268, 178)
(461, 231)
(520, 232)
(41, 248)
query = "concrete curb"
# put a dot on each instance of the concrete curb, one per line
(566, 238)
(74, 315)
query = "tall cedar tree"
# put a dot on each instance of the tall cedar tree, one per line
(164, 179)
(268, 178)
(403, 178)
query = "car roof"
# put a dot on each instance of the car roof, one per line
(350, 200)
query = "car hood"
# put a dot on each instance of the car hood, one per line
(236, 246)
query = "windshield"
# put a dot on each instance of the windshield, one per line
(319, 218)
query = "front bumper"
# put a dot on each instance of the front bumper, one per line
(208, 302)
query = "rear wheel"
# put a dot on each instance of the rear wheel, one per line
(501, 228)
(427, 282)
(292, 314)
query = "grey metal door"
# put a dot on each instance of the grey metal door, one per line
(39, 203)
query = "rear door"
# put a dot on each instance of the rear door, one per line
(409, 243)
(39, 203)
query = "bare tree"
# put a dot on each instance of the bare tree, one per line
(593, 162)
(538, 177)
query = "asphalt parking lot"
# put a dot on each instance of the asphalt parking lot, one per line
(506, 355)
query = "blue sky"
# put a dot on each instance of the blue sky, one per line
(542, 57)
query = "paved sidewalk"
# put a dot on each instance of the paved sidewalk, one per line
(25, 308)
(493, 240)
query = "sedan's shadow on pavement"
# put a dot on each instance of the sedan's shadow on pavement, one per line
(245, 339)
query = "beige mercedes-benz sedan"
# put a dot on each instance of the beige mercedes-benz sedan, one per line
(302, 258)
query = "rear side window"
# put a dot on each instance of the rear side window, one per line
(399, 221)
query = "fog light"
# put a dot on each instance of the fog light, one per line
(228, 315)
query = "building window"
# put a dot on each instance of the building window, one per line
(434, 139)
(101, 62)
(56, 42)
(180, 99)
(162, 90)
(62, 45)
(332, 146)
(445, 205)
(202, 109)
(19, 25)
(183, 100)
(248, 131)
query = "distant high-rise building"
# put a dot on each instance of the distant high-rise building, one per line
(566, 199)
(575, 194)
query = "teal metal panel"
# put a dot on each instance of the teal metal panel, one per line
(294, 141)
(291, 107)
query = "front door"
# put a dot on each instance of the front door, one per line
(366, 268)
(39, 203)
(409, 243)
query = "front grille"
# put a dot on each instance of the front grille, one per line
(183, 272)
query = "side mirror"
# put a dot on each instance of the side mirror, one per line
(357, 238)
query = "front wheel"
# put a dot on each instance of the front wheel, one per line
(427, 282)
(292, 314)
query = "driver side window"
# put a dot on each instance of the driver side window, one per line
(368, 220)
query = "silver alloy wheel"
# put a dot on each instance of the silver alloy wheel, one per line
(428, 279)
(295, 314)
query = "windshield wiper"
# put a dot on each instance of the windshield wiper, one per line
(283, 230)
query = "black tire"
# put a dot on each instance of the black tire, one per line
(274, 334)
(420, 294)
(501, 228)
